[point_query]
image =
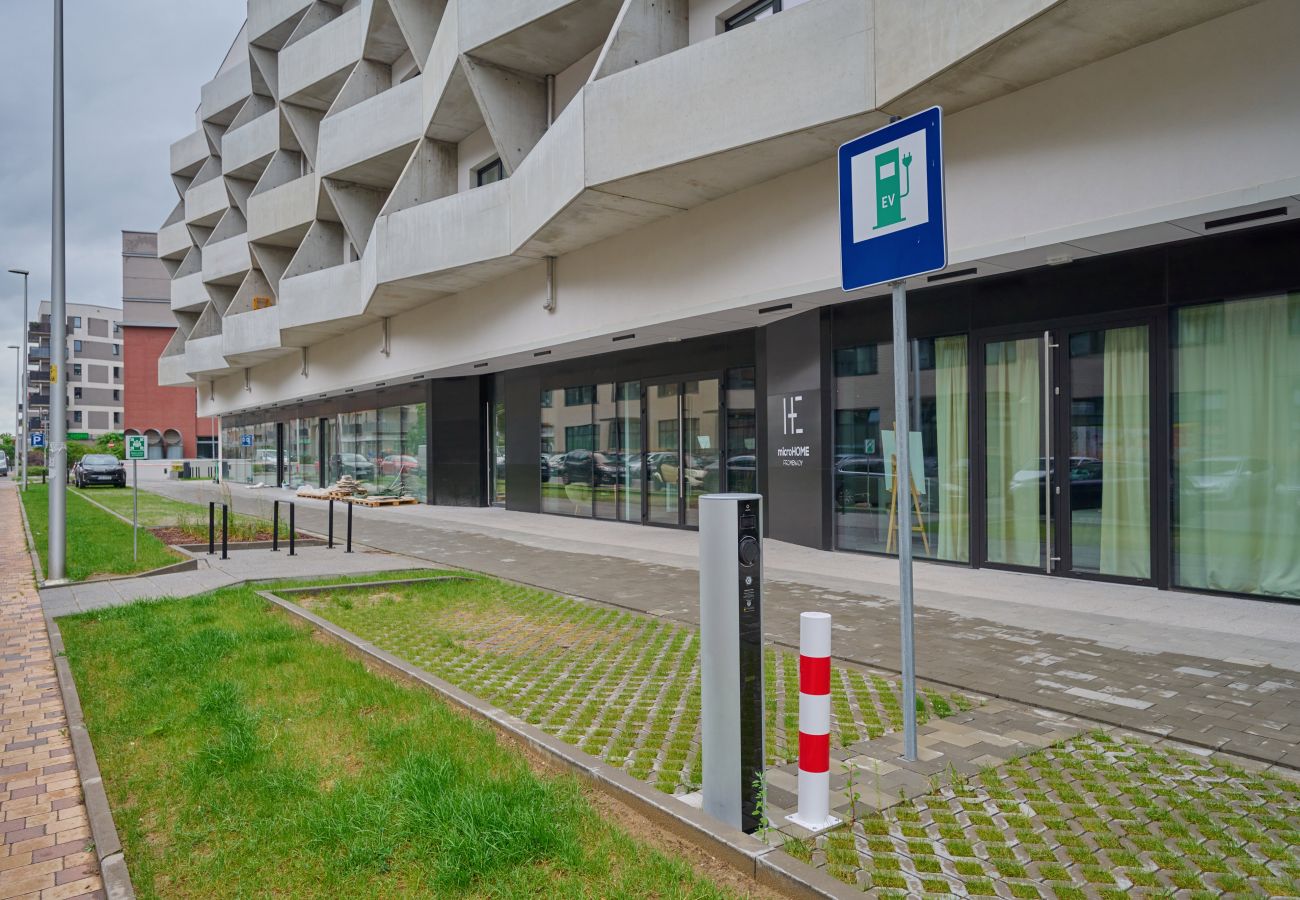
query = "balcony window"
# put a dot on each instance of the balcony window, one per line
(489, 172)
(74, 322)
(76, 393)
(76, 346)
(117, 349)
(76, 367)
(753, 13)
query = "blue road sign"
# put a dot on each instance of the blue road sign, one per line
(891, 202)
(38, 439)
(245, 440)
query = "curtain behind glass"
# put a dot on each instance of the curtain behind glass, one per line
(1236, 440)
(951, 400)
(1125, 455)
(1014, 421)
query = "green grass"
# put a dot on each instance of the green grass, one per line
(157, 511)
(242, 757)
(97, 542)
(622, 687)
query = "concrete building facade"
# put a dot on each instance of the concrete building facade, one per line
(95, 370)
(166, 416)
(581, 257)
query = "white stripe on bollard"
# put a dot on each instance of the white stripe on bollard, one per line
(814, 723)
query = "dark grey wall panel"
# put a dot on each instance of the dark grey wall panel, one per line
(796, 448)
(523, 392)
(458, 450)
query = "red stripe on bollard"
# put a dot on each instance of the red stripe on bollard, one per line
(814, 674)
(814, 752)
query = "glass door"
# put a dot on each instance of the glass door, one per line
(701, 432)
(662, 458)
(1016, 473)
(1107, 516)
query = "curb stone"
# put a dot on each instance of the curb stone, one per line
(108, 847)
(752, 857)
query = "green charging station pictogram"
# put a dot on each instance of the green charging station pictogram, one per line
(889, 190)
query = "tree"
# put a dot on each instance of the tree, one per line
(7, 445)
(111, 442)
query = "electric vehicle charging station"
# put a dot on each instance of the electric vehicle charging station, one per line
(731, 656)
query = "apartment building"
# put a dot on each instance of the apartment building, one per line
(166, 416)
(581, 257)
(93, 376)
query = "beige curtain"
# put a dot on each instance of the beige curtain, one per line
(1013, 401)
(1126, 454)
(951, 401)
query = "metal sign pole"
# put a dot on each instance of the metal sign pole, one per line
(135, 510)
(903, 503)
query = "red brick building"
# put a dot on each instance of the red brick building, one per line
(164, 415)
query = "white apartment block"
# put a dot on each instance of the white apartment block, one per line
(568, 255)
(94, 370)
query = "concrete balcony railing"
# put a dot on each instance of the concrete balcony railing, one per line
(225, 262)
(189, 152)
(173, 241)
(250, 143)
(322, 56)
(223, 94)
(171, 371)
(205, 356)
(266, 16)
(320, 304)
(205, 203)
(288, 208)
(253, 337)
(188, 293)
(370, 130)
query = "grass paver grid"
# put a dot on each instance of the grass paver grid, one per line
(622, 687)
(1095, 816)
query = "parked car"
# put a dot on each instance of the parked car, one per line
(4, 464)
(590, 467)
(354, 464)
(99, 468)
(397, 464)
(860, 479)
(546, 469)
(742, 469)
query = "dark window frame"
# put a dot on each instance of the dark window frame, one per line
(483, 172)
(750, 14)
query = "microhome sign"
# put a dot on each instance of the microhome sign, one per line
(792, 450)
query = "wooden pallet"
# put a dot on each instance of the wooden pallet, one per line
(382, 501)
(325, 495)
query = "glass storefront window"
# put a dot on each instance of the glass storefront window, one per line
(742, 434)
(356, 450)
(250, 463)
(401, 451)
(1236, 430)
(302, 452)
(864, 416)
(567, 440)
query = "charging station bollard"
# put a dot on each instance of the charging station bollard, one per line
(731, 657)
(292, 529)
(330, 544)
(814, 723)
(212, 527)
(275, 527)
(225, 531)
(349, 550)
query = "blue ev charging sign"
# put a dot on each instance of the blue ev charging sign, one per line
(891, 202)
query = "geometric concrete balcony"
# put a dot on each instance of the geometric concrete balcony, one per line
(171, 371)
(204, 357)
(226, 261)
(252, 337)
(247, 149)
(174, 241)
(317, 305)
(188, 293)
(313, 68)
(189, 152)
(282, 214)
(224, 94)
(205, 203)
(270, 21)
(369, 143)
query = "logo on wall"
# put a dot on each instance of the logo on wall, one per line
(792, 453)
(790, 415)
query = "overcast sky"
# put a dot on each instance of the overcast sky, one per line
(132, 74)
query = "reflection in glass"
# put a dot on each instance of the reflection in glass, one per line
(1014, 468)
(742, 435)
(499, 453)
(864, 411)
(356, 451)
(568, 439)
(700, 441)
(661, 459)
(1236, 420)
(1109, 459)
(302, 452)
(628, 447)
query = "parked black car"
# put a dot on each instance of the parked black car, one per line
(588, 467)
(99, 468)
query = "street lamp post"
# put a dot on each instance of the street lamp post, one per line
(22, 387)
(56, 456)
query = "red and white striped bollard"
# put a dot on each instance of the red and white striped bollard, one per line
(814, 723)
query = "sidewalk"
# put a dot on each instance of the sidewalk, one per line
(44, 831)
(1215, 672)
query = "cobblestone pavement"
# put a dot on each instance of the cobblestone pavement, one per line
(45, 846)
(1239, 705)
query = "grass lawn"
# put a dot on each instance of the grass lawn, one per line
(620, 686)
(97, 543)
(243, 757)
(157, 511)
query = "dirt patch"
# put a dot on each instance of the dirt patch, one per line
(171, 534)
(512, 634)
